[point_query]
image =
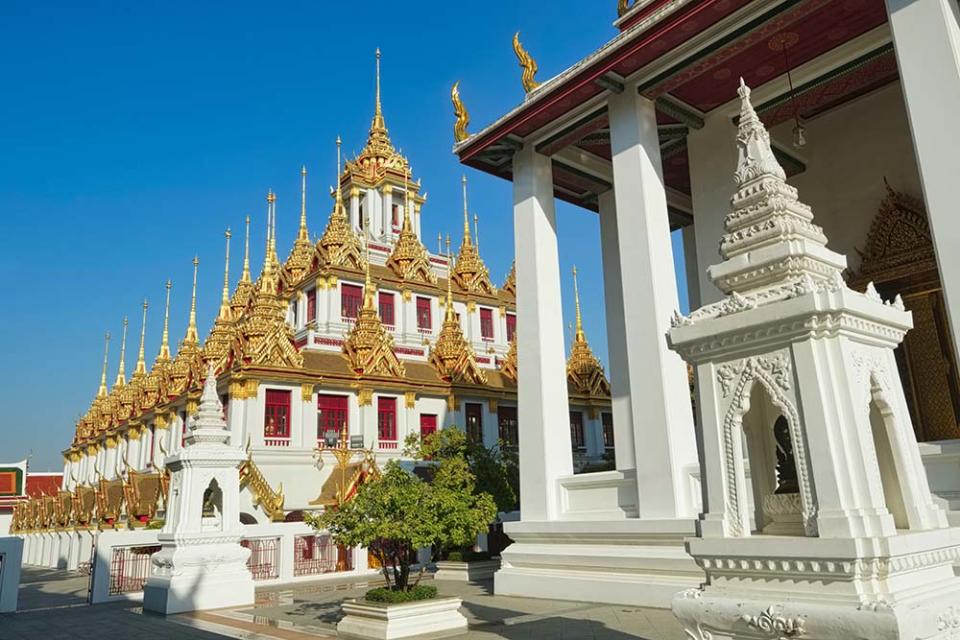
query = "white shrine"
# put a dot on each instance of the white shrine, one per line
(201, 564)
(797, 381)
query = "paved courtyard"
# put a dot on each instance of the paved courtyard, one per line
(53, 608)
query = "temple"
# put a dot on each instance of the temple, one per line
(361, 337)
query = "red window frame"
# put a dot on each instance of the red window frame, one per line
(386, 306)
(276, 414)
(386, 419)
(473, 415)
(424, 315)
(511, 326)
(333, 413)
(508, 426)
(351, 299)
(607, 421)
(311, 305)
(428, 424)
(577, 439)
(486, 324)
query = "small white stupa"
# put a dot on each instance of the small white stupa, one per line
(201, 564)
(835, 534)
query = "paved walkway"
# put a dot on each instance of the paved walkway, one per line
(52, 608)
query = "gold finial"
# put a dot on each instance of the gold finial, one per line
(245, 276)
(527, 63)
(476, 231)
(460, 132)
(378, 123)
(271, 226)
(225, 296)
(141, 368)
(576, 296)
(339, 202)
(368, 282)
(303, 234)
(164, 354)
(439, 243)
(622, 7)
(121, 374)
(407, 199)
(192, 335)
(448, 315)
(102, 391)
(449, 255)
(466, 217)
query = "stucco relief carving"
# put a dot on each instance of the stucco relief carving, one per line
(774, 372)
(772, 624)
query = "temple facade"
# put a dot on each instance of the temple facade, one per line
(362, 335)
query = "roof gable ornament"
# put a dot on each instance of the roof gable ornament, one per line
(369, 346)
(508, 366)
(510, 284)
(340, 245)
(527, 63)
(584, 370)
(460, 132)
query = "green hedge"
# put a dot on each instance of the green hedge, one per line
(384, 594)
(468, 556)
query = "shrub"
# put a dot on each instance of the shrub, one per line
(391, 596)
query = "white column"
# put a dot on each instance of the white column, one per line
(355, 208)
(691, 266)
(623, 430)
(386, 212)
(542, 391)
(713, 157)
(659, 394)
(926, 36)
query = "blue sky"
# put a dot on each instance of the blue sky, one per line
(134, 133)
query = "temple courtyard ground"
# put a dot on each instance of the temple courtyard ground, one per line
(53, 607)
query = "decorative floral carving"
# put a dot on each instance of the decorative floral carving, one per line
(949, 619)
(773, 624)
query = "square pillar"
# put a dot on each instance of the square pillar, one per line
(926, 37)
(542, 401)
(624, 452)
(658, 390)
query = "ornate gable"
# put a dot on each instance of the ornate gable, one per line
(584, 370)
(369, 347)
(409, 259)
(899, 238)
(451, 355)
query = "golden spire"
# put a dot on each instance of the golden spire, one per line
(409, 258)
(368, 282)
(466, 217)
(576, 296)
(141, 368)
(271, 226)
(451, 355)
(449, 311)
(245, 276)
(339, 200)
(476, 230)
(339, 244)
(192, 336)
(439, 242)
(164, 354)
(378, 123)
(121, 375)
(303, 234)
(102, 391)
(225, 296)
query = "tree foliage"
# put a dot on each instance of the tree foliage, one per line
(399, 513)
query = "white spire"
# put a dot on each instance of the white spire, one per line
(209, 425)
(755, 158)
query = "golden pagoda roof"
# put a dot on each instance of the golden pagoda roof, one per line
(508, 366)
(339, 245)
(409, 259)
(369, 346)
(510, 284)
(187, 366)
(470, 272)
(378, 156)
(451, 355)
(584, 371)
(263, 337)
(216, 348)
(303, 252)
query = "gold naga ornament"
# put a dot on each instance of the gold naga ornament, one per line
(187, 367)
(622, 7)
(584, 370)
(263, 337)
(470, 273)
(339, 246)
(216, 348)
(460, 132)
(409, 259)
(451, 355)
(303, 254)
(369, 346)
(527, 63)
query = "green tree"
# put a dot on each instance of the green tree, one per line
(399, 513)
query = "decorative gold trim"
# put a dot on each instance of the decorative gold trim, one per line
(365, 396)
(460, 132)
(527, 63)
(492, 405)
(410, 399)
(451, 402)
(306, 391)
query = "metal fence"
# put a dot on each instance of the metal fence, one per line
(264, 561)
(314, 555)
(129, 568)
